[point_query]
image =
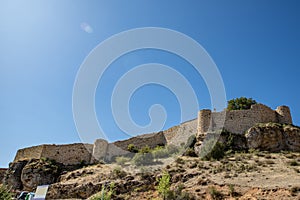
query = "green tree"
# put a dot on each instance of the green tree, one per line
(241, 103)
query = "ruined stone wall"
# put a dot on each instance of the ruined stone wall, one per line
(29, 153)
(70, 154)
(238, 121)
(179, 135)
(152, 140)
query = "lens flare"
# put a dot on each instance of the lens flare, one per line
(86, 27)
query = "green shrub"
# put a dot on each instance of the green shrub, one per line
(140, 159)
(172, 149)
(145, 149)
(118, 173)
(164, 185)
(160, 152)
(241, 103)
(5, 194)
(105, 194)
(215, 194)
(121, 160)
(211, 149)
(133, 149)
(190, 152)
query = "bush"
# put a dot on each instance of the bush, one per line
(118, 173)
(160, 152)
(133, 149)
(190, 152)
(215, 194)
(166, 193)
(211, 151)
(140, 159)
(122, 160)
(241, 103)
(172, 149)
(164, 185)
(105, 195)
(145, 149)
(5, 194)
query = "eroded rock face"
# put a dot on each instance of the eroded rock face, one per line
(28, 174)
(12, 177)
(292, 135)
(39, 172)
(273, 137)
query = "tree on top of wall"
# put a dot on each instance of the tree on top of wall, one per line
(241, 103)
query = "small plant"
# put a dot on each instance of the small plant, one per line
(190, 152)
(105, 194)
(172, 149)
(164, 185)
(122, 160)
(133, 149)
(159, 152)
(141, 159)
(118, 173)
(5, 194)
(293, 163)
(232, 192)
(145, 149)
(179, 161)
(214, 193)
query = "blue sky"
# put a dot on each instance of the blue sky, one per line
(255, 44)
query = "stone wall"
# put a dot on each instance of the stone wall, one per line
(178, 135)
(238, 121)
(70, 154)
(29, 153)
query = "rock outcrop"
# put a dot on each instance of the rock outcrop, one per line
(12, 177)
(39, 172)
(273, 137)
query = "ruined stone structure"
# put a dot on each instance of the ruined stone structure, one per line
(70, 154)
(238, 121)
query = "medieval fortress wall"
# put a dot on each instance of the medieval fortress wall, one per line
(70, 154)
(237, 121)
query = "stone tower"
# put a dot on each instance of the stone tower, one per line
(284, 115)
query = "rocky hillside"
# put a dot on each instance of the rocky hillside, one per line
(264, 163)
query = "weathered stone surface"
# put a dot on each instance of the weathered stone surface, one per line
(273, 137)
(238, 121)
(99, 150)
(39, 172)
(292, 137)
(12, 177)
(2, 173)
(68, 154)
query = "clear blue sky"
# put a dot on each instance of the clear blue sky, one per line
(255, 44)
